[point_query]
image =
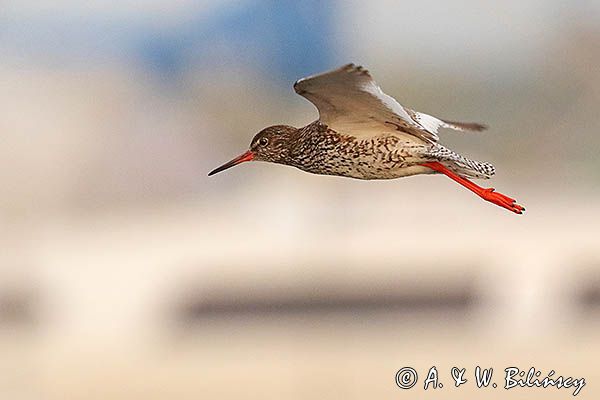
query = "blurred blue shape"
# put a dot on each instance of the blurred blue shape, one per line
(286, 38)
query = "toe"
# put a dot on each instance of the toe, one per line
(502, 200)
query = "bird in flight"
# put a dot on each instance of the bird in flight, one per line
(363, 133)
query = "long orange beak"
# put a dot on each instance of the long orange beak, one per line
(247, 156)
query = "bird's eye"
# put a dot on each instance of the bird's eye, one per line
(263, 141)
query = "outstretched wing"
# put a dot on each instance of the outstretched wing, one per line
(350, 102)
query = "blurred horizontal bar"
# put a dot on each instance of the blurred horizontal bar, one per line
(456, 300)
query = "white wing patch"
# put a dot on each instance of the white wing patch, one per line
(387, 100)
(432, 124)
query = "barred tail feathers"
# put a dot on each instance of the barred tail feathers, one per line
(461, 165)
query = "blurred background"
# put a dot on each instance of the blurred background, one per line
(127, 273)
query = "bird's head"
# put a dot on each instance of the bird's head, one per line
(272, 144)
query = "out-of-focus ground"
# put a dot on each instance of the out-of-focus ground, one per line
(125, 272)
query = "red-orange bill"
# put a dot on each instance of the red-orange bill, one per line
(247, 156)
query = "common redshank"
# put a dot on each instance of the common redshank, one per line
(363, 133)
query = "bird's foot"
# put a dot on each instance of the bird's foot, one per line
(501, 200)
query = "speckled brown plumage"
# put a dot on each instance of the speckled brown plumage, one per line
(363, 133)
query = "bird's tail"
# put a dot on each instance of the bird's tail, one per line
(461, 165)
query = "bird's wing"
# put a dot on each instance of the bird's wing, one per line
(349, 101)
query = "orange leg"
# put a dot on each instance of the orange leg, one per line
(488, 194)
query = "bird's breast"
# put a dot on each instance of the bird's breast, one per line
(384, 157)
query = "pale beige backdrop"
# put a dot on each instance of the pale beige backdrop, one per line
(127, 273)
